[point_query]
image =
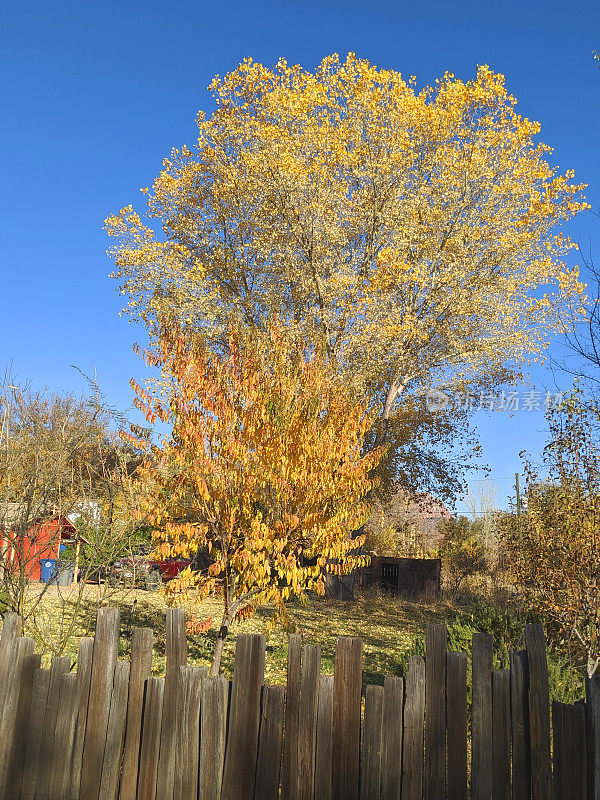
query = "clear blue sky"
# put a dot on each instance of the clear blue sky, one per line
(95, 94)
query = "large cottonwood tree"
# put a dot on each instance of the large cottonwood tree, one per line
(413, 234)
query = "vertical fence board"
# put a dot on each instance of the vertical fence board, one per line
(324, 754)
(270, 740)
(104, 659)
(414, 717)
(370, 777)
(501, 734)
(115, 734)
(187, 753)
(82, 694)
(592, 724)
(347, 684)
(141, 666)
(39, 698)
(150, 744)
(456, 705)
(435, 712)
(558, 751)
(9, 723)
(393, 704)
(578, 752)
(176, 658)
(63, 737)
(9, 647)
(519, 714)
(59, 666)
(292, 717)
(244, 718)
(481, 714)
(14, 778)
(307, 721)
(539, 713)
(213, 727)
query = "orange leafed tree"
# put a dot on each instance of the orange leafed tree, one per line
(262, 471)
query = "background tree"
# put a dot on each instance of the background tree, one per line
(462, 549)
(60, 457)
(412, 235)
(263, 469)
(555, 544)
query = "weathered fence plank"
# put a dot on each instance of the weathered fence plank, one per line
(14, 778)
(292, 717)
(324, 755)
(115, 734)
(372, 747)
(176, 658)
(539, 713)
(150, 745)
(9, 723)
(9, 646)
(244, 718)
(60, 665)
(142, 641)
(481, 715)
(66, 719)
(84, 676)
(578, 756)
(592, 724)
(414, 718)
(270, 741)
(393, 705)
(456, 705)
(558, 748)
(213, 726)
(104, 659)
(519, 714)
(39, 698)
(347, 683)
(435, 712)
(500, 734)
(307, 721)
(187, 754)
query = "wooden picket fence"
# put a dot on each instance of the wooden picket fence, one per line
(110, 731)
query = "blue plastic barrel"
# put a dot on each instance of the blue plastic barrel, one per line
(47, 569)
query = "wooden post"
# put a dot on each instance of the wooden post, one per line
(324, 754)
(481, 712)
(270, 743)
(456, 705)
(39, 699)
(187, 754)
(14, 780)
(213, 726)
(60, 665)
(106, 644)
(539, 713)
(244, 718)
(519, 715)
(347, 684)
(9, 718)
(66, 719)
(592, 722)
(414, 718)
(84, 676)
(370, 777)
(307, 721)
(292, 718)
(141, 666)
(501, 734)
(393, 705)
(176, 658)
(435, 712)
(150, 745)
(77, 552)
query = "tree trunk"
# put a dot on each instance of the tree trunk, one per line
(218, 652)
